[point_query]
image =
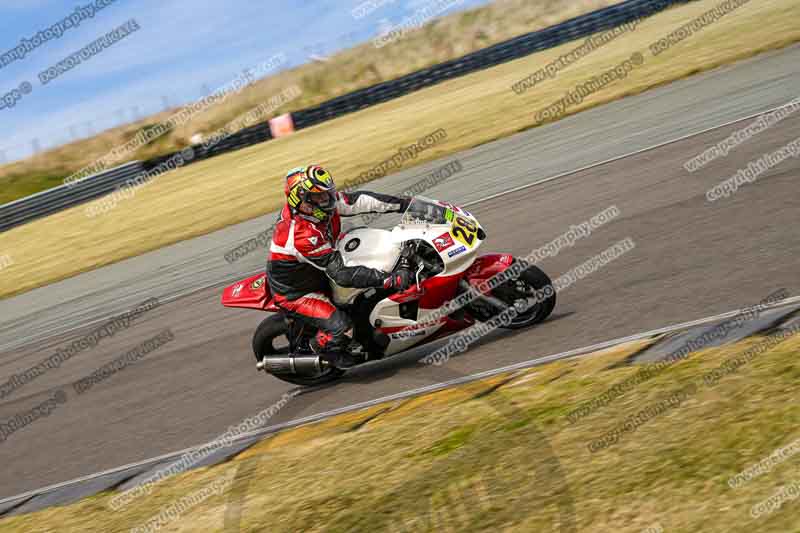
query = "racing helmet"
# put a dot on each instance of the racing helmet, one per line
(314, 186)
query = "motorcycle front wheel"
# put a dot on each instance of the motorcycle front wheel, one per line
(532, 293)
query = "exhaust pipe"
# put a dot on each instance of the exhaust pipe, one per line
(305, 365)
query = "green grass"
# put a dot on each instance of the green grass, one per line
(19, 186)
(452, 442)
(459, 460)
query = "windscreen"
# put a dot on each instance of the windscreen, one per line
(424, 211)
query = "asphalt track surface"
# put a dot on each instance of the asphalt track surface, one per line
(692, 259)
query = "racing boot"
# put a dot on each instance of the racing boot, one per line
(334, 350)
(300, 338)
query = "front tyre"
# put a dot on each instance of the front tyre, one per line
(270, 340)
(532, 293)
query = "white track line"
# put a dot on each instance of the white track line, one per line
(624, 156)
(26, 340)
(587, 350)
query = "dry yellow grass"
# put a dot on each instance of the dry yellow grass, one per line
(457, 460)
(472, 109)
(443, 39)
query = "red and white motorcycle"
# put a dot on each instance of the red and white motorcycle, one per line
(441, 242)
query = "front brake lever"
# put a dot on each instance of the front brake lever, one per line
(419, 270)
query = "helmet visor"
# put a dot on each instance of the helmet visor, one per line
(323, 200)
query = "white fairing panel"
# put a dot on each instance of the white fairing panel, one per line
(450, 230)
(373, 248)
(457, 257)
(388, 312)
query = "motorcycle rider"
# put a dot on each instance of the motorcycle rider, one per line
(303, 256)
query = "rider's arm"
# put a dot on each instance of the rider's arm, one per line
(318, 251)
(361, 202)
(357, 276)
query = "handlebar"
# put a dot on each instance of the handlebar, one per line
(427, 264)
(414, 257)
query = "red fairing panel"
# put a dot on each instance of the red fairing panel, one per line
(250, 293)
(438, 291)
(487, 266)
(451, 326)
(441, 289)
(435, 292)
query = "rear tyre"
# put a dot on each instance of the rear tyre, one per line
(270, 339)
(532, 287)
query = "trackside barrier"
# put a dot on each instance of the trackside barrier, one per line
(62, 197)
(47, 202)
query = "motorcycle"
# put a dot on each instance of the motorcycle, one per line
(440, 241)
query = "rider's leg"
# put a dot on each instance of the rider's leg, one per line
(316, 310)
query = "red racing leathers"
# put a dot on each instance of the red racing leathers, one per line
(303, 256)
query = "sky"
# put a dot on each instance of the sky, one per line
(182, 50)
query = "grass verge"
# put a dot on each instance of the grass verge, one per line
(473, 109)
(500, 455)
(442, 39)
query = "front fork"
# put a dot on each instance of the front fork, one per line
(485, 306)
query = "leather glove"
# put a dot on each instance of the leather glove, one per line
(404, 263)
(401, 279)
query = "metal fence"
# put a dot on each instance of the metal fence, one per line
(64, 196)
(48, 202)
(523, 45)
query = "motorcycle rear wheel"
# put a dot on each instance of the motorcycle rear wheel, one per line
(274, 328)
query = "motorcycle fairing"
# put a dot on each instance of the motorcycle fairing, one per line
(250, 293)
(486, 267)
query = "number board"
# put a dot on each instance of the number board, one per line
(464, 230)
